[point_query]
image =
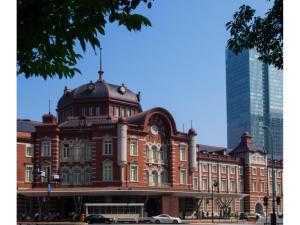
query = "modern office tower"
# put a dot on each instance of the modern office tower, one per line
(254, 101)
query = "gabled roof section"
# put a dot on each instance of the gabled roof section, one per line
(246, 145)
(142, 118)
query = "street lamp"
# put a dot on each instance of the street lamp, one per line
(270, 140)
(215, 184)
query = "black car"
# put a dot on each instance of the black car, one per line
(97, 219)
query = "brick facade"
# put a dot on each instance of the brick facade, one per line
(138, 156)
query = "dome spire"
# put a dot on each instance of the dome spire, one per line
(100, 71)
(49, 110)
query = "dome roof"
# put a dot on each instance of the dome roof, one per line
(99, 90)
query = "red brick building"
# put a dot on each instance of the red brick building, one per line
(113, 158)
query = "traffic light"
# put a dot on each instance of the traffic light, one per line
(266, 201)
(278, 200)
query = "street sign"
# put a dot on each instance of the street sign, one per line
(49, 187)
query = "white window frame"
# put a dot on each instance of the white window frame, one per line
(133, 152)
(241, 186)
(232, 170)
(204, 167)
(223, 185)
(182, 152)
(205, 183)
(254, 171)
(214, 168)
(107, 175)
(262, 183)
(90, 111)
(46, 152)
(133, 177)
(107, 142)
(83, 111)
(29, 150)
(232, 185)
(182, 179)
(76, 173)
(77, 152)
(97, 111)
(262, 172)
(223, 169)
(28, 174)
(88, 152)
(195, 183)
(241, 170)
(254, 186)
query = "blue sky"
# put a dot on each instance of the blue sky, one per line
(177, 64)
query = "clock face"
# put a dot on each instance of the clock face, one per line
(154, 129)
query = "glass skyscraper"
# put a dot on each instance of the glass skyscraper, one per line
(254, 101)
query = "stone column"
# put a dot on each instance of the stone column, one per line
(122, 147)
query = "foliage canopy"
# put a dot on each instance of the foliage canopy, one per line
(48, 29)
(265, 34)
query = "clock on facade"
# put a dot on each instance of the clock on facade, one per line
(154, 129)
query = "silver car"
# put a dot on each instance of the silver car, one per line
(165, 218)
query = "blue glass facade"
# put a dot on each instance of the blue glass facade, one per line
(254, 100)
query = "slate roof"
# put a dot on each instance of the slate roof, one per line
(27, 125)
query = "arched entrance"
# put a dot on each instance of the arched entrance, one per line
(259, 208)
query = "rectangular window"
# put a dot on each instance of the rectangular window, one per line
(88, 151)
(107, 147)
(28, 173)
(127, 112)
(133, 173)
(232, 170)
(223, 169)
(182, 176)
(278, 188)
(232, 185)
(83, 111)
(66, 151)
(224, 185)
(204, 167)
(77, 152)
(122, 112)
(241, 186)
(195, 183)
(262, 186)
(182, 149)
(44, 178)
(29, 150)
(117, 111)
(90, 111)
(214, 169)
(262, 172)
(133, 147)
(46, 148)
(97, 111)
(76, 178)
(241, 170)
(253, 171)
(254, 188)
(204, 184)
(107, 172)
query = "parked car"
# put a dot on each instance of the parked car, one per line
(164, 218)
(97, 219)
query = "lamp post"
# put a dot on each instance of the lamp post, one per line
(215, 184)
(273, 215)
